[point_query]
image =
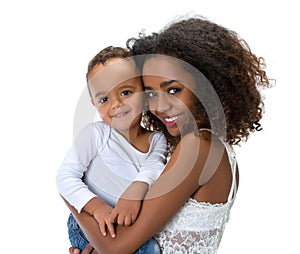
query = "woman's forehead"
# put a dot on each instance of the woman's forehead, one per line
(167, 68)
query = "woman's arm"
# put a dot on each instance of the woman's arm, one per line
(178, 182)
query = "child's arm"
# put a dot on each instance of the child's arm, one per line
(101, 212)
(155, 162)
(129, 204)
(70, 174)
(166, 196)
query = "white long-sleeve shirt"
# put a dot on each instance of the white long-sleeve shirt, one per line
(103, 163)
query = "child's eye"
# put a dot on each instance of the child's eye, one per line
(126, 92)
(174, 90)
(103, 99)
(150, 95)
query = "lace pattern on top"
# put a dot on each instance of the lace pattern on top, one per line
(198, 227)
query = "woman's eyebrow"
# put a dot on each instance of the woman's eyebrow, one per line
(162, 84)
(168, 82)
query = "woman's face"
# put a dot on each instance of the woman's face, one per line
(169, 89)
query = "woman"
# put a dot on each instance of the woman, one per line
(201, 81)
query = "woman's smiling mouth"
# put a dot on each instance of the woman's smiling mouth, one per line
(172, 121)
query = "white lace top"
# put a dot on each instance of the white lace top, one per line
(198, 226)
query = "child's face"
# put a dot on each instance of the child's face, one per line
(168, 96)
(117, 93)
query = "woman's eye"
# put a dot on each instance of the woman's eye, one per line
(150, 95)
(126, 92)
(103, 99)
(174, 90)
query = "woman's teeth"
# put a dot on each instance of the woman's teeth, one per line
(171, 119)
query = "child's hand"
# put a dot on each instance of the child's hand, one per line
(101, 212)
(125, 212)
(102, 216)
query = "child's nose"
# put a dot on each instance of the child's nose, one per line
(117, 102)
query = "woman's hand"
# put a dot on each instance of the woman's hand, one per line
(88, 250)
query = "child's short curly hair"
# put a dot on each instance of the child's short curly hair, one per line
(225, 60)
(107, 54)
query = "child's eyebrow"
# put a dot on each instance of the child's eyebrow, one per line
(126, 85)
(105, 93)
(98, 94)
(163, 84)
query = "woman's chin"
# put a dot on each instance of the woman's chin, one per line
(174, 131)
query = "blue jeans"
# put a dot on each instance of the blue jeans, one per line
(78, 239)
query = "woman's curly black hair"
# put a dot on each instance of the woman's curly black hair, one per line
(225, 60)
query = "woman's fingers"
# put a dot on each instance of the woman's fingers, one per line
(89, 250)
(73, 250)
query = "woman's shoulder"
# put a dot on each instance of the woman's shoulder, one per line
(217, 168)
(191, 152)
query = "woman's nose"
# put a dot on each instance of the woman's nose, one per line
(163, 103)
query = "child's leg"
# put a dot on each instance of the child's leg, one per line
(149, 247)
(76, 236)
(79, 240)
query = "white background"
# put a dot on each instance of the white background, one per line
(45, 48)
